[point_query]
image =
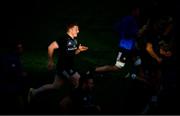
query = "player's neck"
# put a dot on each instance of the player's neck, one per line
(71, 35)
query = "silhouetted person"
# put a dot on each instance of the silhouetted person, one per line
(82, 100)
(127, 29)
(12, 77)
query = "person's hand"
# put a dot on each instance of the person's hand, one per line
(51, 65)
(82, 48)
(159, 60)
(168, 54)
(165, 53)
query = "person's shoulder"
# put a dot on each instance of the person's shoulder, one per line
(65, 37)
(62, 38)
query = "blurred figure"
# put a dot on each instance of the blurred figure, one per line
(158, 40)
(12, 76)
(127, 29)
(157, 57)
(82, 100)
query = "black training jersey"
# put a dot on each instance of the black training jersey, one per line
(66, 52)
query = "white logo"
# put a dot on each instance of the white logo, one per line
(69, 43)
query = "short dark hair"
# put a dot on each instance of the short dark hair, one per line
(70, 24)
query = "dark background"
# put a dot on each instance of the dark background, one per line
(37, 23)
(34, 20)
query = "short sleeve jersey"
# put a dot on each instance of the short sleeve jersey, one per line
(66, 52)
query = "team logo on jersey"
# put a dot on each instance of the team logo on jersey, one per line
(69, 43)
(72, 48)
(72, 45)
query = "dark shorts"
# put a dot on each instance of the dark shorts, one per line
(65, 73)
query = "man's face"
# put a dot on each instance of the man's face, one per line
(74, 31)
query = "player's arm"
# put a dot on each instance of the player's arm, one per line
(81, 49)
(149, 49)
(54, 45)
